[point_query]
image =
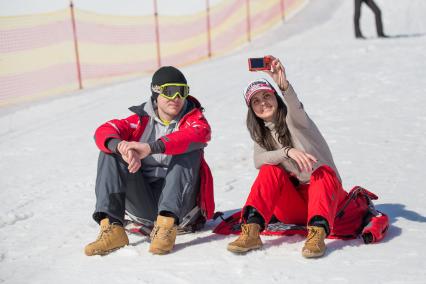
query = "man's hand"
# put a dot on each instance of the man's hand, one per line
(133, 153)
(304, 160)
(133, 160)
(277, 73)
(142, 149)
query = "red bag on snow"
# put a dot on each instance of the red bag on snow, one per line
(357, 216)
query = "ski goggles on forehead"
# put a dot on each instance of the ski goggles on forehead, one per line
(172, 90)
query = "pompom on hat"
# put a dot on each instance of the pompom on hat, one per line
(256, 86)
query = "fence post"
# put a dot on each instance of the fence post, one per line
(282, 10)
(157, 33)
(77, 57)
(248, 19)
(209, 45)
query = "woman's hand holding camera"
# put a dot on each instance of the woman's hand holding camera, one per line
(277, 73)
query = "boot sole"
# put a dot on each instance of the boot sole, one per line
(102, 253)
(159, 252)
(239, 250)
(308, 254)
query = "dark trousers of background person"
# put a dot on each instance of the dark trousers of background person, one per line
(377, 14)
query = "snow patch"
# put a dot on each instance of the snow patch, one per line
(12, 217)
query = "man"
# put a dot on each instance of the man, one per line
(151, 166)
(377, 14)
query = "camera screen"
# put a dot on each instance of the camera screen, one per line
(256, 62)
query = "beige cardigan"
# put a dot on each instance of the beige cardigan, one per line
(305, 136)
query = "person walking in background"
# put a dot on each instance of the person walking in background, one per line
(377, 14)
(151, 166)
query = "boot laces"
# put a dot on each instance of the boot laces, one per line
(314, 236)
(164, 235)
(245, 232)
(103, 234)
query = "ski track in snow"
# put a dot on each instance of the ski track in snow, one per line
(367, 97)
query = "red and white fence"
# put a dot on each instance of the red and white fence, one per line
(52, 53)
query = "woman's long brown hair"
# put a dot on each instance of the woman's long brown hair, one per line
(262, 135)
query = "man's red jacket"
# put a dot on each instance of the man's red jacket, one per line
(192, 128)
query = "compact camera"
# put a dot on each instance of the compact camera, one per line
(258, 64)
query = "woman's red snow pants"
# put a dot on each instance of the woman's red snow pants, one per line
(273, 193)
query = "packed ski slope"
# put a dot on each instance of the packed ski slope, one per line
(367, 97)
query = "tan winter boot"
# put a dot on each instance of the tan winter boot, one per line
(249, 239)
(110, 238)
(314, 245)
(163, 236)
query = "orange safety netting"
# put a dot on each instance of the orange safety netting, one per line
(38, 52)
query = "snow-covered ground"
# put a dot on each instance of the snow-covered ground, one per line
(368, 98)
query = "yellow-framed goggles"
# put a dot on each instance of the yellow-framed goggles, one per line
(172, 90)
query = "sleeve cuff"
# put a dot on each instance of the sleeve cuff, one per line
(112, 145)
(289, 90)
(157, 147)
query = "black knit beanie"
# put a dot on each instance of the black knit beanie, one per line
(166, 74)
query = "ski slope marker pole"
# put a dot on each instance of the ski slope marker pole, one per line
(209, 44)
(157, 33)
(77, 57)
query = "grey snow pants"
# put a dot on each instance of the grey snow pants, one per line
(117, 190)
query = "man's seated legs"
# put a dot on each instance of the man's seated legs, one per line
(166, 200)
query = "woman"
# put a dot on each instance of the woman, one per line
(298, 182)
